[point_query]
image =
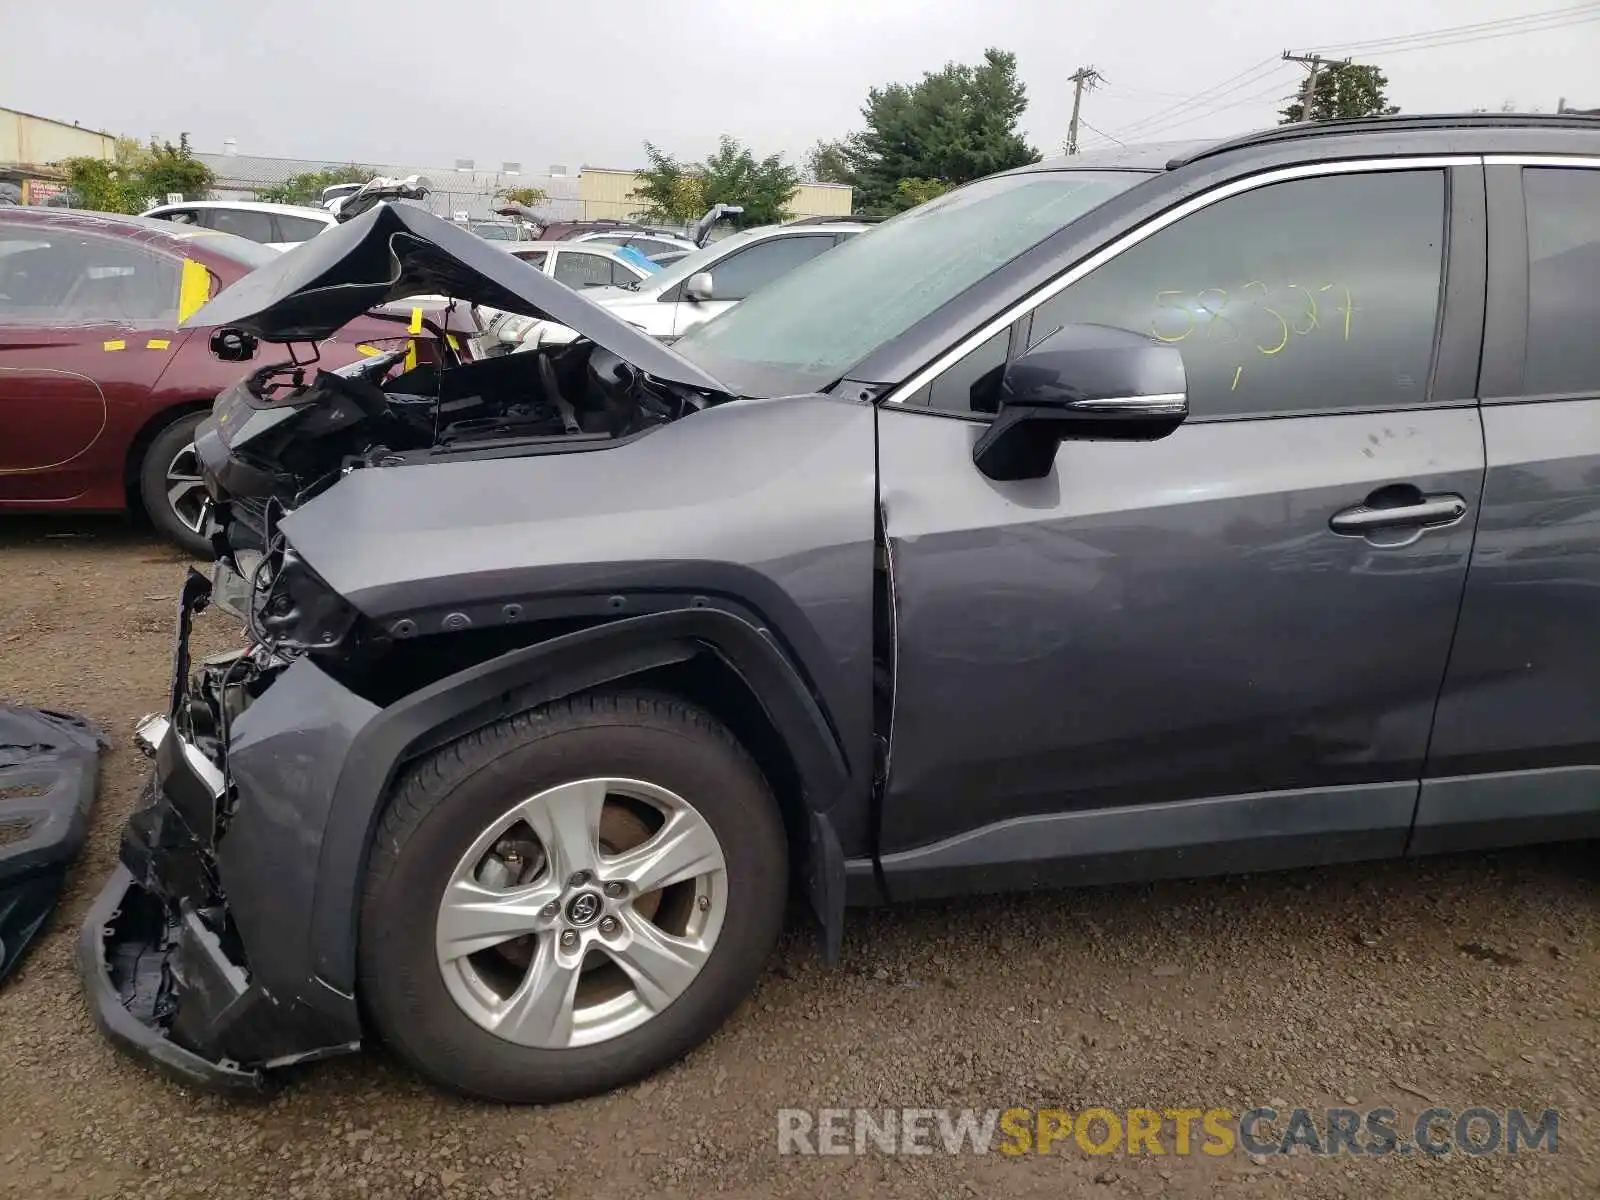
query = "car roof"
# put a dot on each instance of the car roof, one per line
(759, 232)
(1458, 132)
(299, 210)
(560, 244)
(660, 235)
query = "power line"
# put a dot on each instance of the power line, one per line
(1103, 134)
(1252, 98)
(1219, 103)
(1475, 27)
(1245, 78)
(1491, 36)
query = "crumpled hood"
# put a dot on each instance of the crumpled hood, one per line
(396, 251)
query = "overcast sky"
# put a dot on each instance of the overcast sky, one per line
(537, 82)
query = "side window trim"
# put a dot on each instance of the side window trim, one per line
(1505, 331)
(905, 392)
(1458, 342)
(1505, 348)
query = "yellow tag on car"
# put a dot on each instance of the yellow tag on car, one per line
(194, 289)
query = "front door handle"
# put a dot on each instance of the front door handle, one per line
(1426, 512)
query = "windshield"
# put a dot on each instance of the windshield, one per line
(631, 256)
(803, 331)
(699, 260)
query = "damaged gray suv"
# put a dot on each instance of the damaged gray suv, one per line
(1194, 509)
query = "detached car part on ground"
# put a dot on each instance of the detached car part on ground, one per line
(48, 764)
(914, 575)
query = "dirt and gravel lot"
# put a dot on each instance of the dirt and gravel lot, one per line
(1465, 981)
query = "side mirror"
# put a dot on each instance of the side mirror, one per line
(233, 345)
(1082, 382)
(700, 286)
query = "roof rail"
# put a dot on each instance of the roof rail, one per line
(832, 220)
(1388, 124)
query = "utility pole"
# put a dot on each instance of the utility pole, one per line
(1313, 63)
(1083, 79)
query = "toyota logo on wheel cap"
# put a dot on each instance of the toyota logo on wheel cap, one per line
(584, 909)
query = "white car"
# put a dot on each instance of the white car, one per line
(281, 226)
(709, 281)
(658, 247)
(583, 266)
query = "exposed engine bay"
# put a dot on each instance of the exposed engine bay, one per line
(279, 435)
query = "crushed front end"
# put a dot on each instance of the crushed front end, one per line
(195, 955)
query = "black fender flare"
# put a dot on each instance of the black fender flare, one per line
(547, 671)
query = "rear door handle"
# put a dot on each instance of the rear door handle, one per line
(1430, 512)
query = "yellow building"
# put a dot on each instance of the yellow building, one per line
(606, 193)
(29, 144)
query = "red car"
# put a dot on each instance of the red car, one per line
(100, 390)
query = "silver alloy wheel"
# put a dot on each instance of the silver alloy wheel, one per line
(186, 490)
(551, 935)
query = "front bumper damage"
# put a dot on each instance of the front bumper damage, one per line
(190, 957)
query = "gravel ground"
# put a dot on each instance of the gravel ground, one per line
(1467, 980)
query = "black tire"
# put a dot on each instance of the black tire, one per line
(153, 485)
(440, 806)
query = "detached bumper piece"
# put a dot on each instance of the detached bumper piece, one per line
(164, 970)
(48, 763)
(133, 961)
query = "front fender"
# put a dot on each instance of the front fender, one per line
(526, 678)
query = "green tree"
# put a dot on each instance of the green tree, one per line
(306, 188)
(669, 190)
(136, 175)
(764, 187)
(103, 185)
(919, 191)
(1343, 90)
(829, 162)
(530, 197)
(954, 125)
(168, 168)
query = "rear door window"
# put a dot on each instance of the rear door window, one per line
(1563, 280)
(296, 229)
(242, 222)
(579, 269)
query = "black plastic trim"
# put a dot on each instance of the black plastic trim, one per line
(524, 679)
(1216, 835)
(1507, 808)
(1460, 343)
(1505, 330)
(121, 1027)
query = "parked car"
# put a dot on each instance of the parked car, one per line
(280, 226)
(702, 284)
(1187, 509)
(498, 231)
(583, 265)
(560, 231)
(100, 390)
(661, 248)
